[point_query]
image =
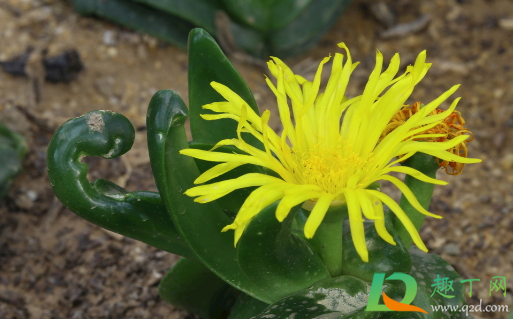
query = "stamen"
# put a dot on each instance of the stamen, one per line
(330, 168)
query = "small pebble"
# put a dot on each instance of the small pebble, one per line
(112, 52)
(105, 86)
(506, 23)
(507, 161)
(452, 249)
(404, 29)
(498, 139)
(24, 202)
(109, 38)
(384, 13)
(32, 195)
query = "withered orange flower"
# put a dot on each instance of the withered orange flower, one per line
(452, 126)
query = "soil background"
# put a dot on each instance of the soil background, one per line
(53, 264)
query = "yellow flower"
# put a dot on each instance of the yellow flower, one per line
(330, 149)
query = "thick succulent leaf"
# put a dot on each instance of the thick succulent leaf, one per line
(347, 296)
(138, 215)
(383, 257)
(425, 269)
(275, 259)
(246, 307)
(191, 286)
(13, 140)
(233, 201)
(12, 151)
(139, 17)
(199, 224)
(423, 191)
(265, 15)
(306, 29)
(11, 166)
(340, 297)
(296, 24)
(203, 13)
(208, 63)
(198, 12)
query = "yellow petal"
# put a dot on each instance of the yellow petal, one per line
(356, 224)
(292, 199)
(289, 78)
(447, 156)
(368, 93)
(216, 171)
(398, 211)
(223, 157)
(301, 80)
(387, 76)
(233, 106)
(256, 201)
(309, 100)
(366, 204)
(411, 146)
(248, 180)
(414, 173)
(402, 159)
(405, 132)
(379, 222)
(229, 227)
(317, 214)
(426, 136)
(210, 197)
(435, 103)
(408, 194)
(259, 199)
(212, 117)
(440, 116)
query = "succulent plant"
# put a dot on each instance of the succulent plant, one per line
(258, 27)
(12, 151)
(274, 271)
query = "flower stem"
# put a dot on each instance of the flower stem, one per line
(328, 239)
(423, 191)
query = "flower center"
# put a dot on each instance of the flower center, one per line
(332, 169)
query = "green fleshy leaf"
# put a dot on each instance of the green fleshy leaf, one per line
(346, 297)
(13, 140)
(12, 151)
(139, 17)
(246, 307)
(383, 257)
(340, 297)
(307, 29)
(11, 167)
(266, 15)
(191, 286)
(199, 224)
(138, 215)
(208, 63)
(198, 12)
(275, 259)
(425, 269)
(423, 191)
(202, 13)
(327, 242)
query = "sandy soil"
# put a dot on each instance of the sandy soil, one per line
(55, 265)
